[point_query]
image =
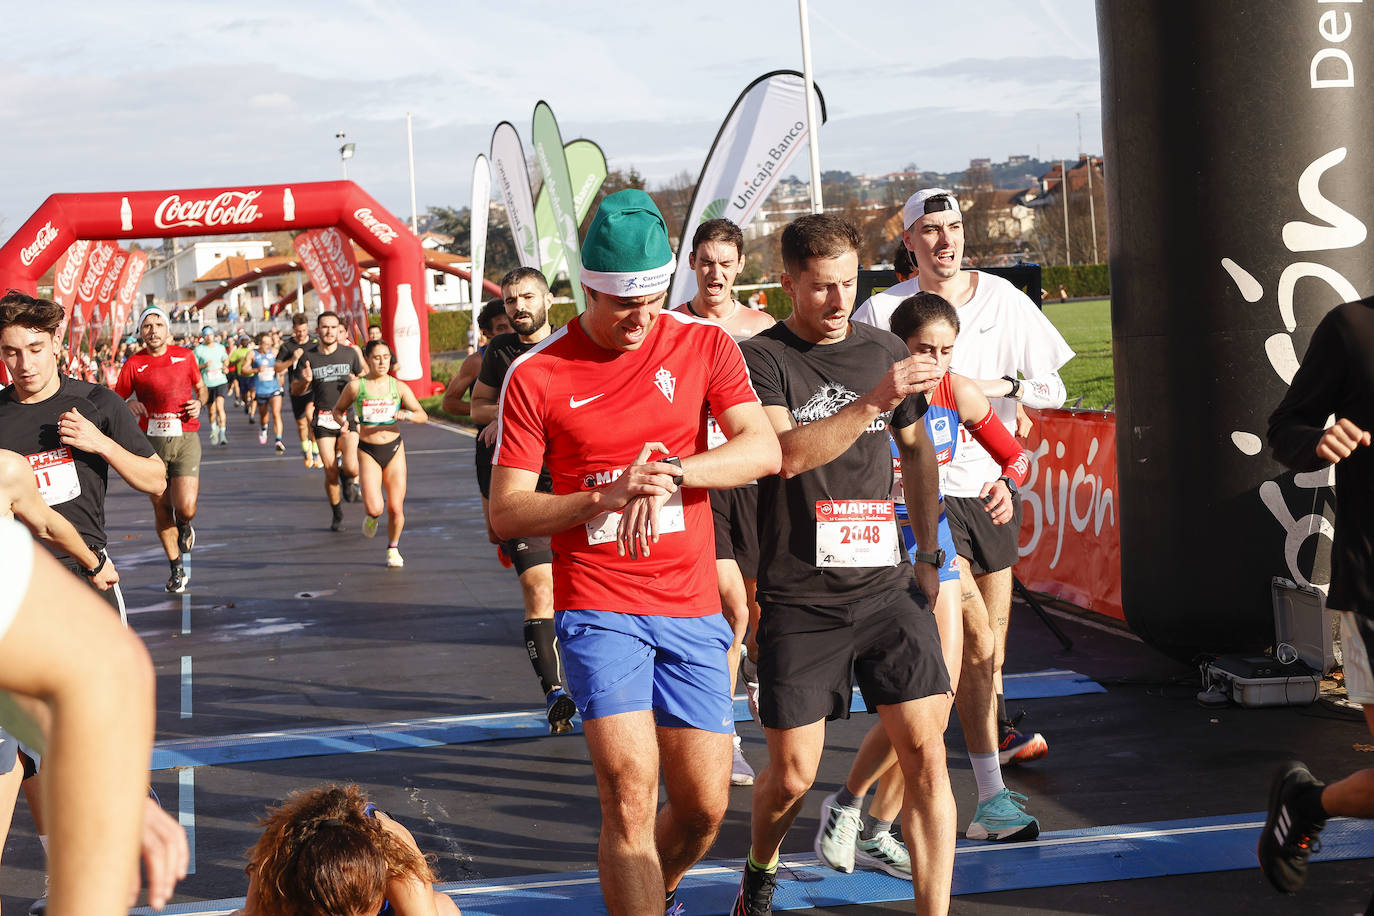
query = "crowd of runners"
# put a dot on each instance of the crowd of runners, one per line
(691, 498)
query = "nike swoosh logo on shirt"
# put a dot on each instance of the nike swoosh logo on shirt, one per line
(142, 368)
(988, 328)
(178, 359)
(574, 403)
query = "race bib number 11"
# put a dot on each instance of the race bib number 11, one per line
(856, 533)
(55, 474)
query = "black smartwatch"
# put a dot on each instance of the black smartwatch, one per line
(100, 560)
(1011, 486)
(935, 558)
(1015, 386)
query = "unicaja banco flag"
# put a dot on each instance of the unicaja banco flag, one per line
(553, 165)
(762, 134)
(513, 181)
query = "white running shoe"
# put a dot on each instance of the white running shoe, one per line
(393, 558)
(838, 832)
(741, 773)
(884, 851)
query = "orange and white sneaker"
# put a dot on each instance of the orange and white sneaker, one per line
(1017, 747)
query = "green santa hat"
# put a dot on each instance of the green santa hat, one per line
(626, 252)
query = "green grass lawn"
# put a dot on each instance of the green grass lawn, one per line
(1087, 327)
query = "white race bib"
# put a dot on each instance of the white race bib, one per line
(601, 530)
(856, 533)
(325, 419)
(55, 474)
(164, 424)
(714, 437)
(376, 411)
(898, 489)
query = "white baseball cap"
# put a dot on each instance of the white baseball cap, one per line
(930, 200)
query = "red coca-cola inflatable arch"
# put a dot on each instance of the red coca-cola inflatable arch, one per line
(64, 218)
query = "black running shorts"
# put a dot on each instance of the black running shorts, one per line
(735, 514)
(810, 655)
(299, 404)
(987, 547)
(482, 455)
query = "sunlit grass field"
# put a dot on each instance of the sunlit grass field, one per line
(1087, 327)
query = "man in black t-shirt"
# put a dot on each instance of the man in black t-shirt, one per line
(289, 361)
(840, 601)
(324, 373)
(526, 295)
(72, 432)
(1336, 379)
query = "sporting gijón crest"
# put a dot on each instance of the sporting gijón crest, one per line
(666, 383)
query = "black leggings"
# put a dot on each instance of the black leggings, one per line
(381, 452)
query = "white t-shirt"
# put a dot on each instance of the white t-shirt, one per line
(1001, 332)
(16, 546)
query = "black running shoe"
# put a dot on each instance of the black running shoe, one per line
(755, 892)
(186, 537)
(346, 488)
(178, 581)
(1290, 836)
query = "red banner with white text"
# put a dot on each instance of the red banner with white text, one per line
(126, 292)
(104, 298)
(341, 265)
(66, 274)
(97, 265)
(1070, 542)
(309, 257)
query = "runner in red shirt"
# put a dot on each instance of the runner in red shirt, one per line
(168, 393)
(637, 611)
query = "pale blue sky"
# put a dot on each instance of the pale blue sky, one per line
(151, 94)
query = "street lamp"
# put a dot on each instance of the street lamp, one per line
(345, 153)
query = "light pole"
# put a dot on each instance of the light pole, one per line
(345, 152)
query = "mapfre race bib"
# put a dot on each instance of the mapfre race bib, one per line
(55, 474)
(856, 533)
(376, 411)
(164, 424)
(601, 530)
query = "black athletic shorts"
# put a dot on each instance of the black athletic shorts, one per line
(330, 432)
(810, 655)
(527, 553)
(736, 516)
(987, 547)
(482, 455)
(299, 402)
(216, 391)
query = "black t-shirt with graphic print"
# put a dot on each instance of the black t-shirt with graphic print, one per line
(331, 373)
(815, 381)
(73, 482)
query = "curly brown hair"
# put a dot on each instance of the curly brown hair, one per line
(321, 854)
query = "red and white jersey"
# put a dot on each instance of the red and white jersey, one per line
(584, 412)
(163, 385)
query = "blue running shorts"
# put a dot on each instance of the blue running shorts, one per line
(617, 662)
(950, 571)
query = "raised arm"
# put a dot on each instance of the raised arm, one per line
(817, 443)
(145, 474)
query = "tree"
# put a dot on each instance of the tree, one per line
(457, 224)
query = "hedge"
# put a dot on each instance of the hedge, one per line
(1080, 281)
